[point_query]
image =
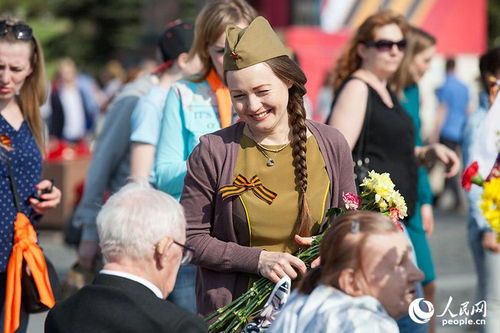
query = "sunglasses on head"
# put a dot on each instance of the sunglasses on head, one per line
(20, 30)
(387, 45)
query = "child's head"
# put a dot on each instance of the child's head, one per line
(364, 253)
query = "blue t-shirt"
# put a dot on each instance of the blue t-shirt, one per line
(26, 162)
(455, 96)
(146, 117)
(146, 120)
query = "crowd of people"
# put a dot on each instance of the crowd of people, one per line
(207, 173)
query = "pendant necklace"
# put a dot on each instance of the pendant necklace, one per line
(270, 162)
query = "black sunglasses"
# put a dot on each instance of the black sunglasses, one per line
(386, 45)
(20, 30)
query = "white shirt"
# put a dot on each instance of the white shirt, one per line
(329, 310)
(74, 113)
(135, 278)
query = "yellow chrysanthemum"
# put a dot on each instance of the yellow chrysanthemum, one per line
(491, 203)
(382, 187)
(399, 202)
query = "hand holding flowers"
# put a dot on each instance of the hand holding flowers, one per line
(490, 203)
(378, 195)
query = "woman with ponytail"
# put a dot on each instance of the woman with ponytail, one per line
(199, 104)
(366, 279)
(256, 191)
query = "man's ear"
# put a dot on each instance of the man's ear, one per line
(162, 249)
(349, 283)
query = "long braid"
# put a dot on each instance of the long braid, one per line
(288, 71)
(297, 121)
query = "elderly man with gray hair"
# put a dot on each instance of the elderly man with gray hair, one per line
(142, 236)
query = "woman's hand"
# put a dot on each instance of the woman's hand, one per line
(275, 265)
(307, 242)
(50, 199)
(490, 242)
(435, 152)
(427, 219)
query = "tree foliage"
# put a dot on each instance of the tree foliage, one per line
(89, 31)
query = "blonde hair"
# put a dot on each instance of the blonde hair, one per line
(418, 41)
(34, 90)
(212, 22)
(350, 61)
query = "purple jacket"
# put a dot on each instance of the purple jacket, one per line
(224, 266)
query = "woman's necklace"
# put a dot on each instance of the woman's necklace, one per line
(270, 162)
(262, 149)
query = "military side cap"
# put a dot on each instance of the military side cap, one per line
(251, 45)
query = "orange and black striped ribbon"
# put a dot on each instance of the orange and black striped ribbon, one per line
(5, 142)
(241, 184)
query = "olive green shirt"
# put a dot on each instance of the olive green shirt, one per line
(272, 227)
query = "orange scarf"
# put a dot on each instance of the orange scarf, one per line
(223, 98)
(25, 247)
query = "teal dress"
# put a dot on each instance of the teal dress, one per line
(411, 103)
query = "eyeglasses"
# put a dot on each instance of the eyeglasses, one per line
(385, 45)
(20, 30)
(187, 253)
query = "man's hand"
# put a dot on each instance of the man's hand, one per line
(490, 242)
(87, 254)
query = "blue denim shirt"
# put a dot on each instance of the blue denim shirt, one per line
(468, 139)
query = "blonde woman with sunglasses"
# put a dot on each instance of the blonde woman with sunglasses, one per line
(22, 91)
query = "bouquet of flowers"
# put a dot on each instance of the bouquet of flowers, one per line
(490, 199)
(378, 194)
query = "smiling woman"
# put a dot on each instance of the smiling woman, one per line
(196, 106)
(256, 191)
(22, 91)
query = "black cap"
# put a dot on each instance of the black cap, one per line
(176, 39)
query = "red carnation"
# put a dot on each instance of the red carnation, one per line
(471, 176)
(394, 216)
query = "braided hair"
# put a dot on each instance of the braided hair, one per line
(288, 71)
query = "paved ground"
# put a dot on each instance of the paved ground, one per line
(455, 271)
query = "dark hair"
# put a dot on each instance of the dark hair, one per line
(350, 61)
(450, 64)
(341, 248)
(288, 71)
(489, 64)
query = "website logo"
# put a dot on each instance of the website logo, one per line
(464, 314)
(417, 314)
